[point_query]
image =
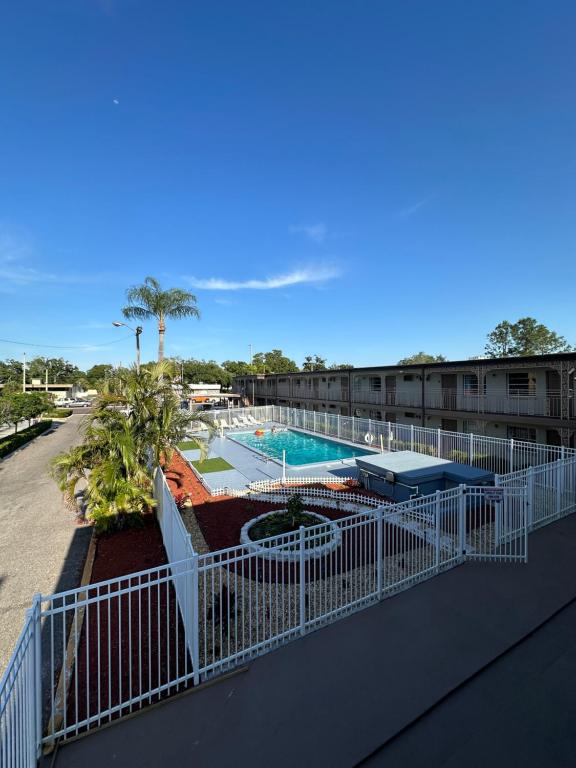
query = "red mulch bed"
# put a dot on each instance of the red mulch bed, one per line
(221, 519)
(116, 627)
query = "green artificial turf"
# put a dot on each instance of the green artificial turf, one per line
(189, 445)
(212, 465)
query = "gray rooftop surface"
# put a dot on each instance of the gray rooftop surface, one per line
(418, 466)
(470, 668)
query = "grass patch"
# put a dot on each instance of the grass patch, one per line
(11, 442)
(212, 465)
(189, 445)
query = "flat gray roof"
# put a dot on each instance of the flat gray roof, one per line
(418, 467)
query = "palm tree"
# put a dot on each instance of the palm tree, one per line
(133, 428)
(149, 300)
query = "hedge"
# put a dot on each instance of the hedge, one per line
(59, 413)
(11, 442)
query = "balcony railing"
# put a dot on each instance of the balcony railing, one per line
(548, 405)
(408, 399)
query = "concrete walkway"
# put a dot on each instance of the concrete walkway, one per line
(335, 696)
(41, 547)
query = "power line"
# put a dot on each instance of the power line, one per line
(56, 346)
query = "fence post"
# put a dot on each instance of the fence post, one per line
(338, 425)
(471, 449)
(439, 443)
(380, 560)
(37, 617)
(530, 498)
(411, 437)
(437, 529)
(558, 466)
(314, 422)
(497, 514)
(370, 426)
(302, 584)
(195, 650)
(511, 455)
(389, 430)
(462, 520)
(353, 428)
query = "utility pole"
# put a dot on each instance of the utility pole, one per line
(46, 383)
(24, 374)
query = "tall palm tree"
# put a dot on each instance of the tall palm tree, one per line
(149, 300)
(134, 426)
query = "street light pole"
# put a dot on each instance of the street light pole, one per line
(24, 374)
(136, 331)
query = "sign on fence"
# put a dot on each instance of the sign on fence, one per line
(494, 495)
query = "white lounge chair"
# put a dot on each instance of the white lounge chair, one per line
(223, 424)
(253, 421)
(236, 423)
(244, 421)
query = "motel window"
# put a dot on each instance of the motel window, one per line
(526, 434)
(470, 384)
(409, 414)
(409, 377)
(521, 384)
(473, 426)
(375, 384)
(375, 415)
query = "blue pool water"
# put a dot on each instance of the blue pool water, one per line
(300, 448)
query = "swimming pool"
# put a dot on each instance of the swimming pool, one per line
(300, 447)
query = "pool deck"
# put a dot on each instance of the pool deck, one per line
(250, 466)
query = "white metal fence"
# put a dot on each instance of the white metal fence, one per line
(551, 490)
(127, 642)
(20, 701)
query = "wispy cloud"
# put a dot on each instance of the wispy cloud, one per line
(318, 233)
(405, 213)
(315, 274)
(16, 251)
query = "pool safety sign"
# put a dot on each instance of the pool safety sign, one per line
(494, 494)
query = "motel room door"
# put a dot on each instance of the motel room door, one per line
(449, 385)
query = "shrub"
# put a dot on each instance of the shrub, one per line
(12, 442)
(459, 456)
(59, 413)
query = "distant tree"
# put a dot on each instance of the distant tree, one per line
(149, 301)
(59, 370)
(339, 366)
(97, 373)
(421, 358)
(33, 404)
(314, 363)
(274, 362)
(207, 371)
(238, 367)
(10, 371)
(14, 408)
(524, 337)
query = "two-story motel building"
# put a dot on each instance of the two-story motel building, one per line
(526, 398)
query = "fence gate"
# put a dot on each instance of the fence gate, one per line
(496, 524)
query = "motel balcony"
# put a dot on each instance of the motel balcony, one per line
(549, 404)
(552, 404)
(409, 399)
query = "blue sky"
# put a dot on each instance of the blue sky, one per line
(358, 179)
